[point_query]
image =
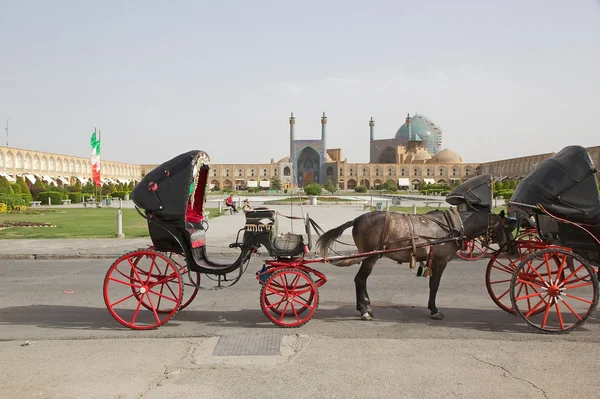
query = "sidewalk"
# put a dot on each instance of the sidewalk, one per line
(222, 232)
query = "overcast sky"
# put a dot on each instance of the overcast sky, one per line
(501, 78)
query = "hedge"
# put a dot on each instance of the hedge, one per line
(74, 197)
(54, 196)
(12, 201)
(360, 189)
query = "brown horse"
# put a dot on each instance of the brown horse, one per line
(387, 230)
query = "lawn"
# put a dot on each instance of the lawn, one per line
(77, 223)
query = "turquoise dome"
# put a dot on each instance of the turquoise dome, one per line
(423, 130)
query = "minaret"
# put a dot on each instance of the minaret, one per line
(372, 129)
(408, 123)
(292, 135)
(323, 130)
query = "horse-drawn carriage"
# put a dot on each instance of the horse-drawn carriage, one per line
(146, 287)
(554, 287)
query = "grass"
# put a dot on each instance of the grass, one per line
(78, 223)
(102, 222)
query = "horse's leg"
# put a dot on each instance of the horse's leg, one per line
(363, 303)
(437, 269)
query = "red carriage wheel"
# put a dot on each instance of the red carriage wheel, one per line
(498, 277)
(566, 287)
(190, 287)
(277, 298)
(289, 298)
(526, 242)
(472, 250)
(138, 285)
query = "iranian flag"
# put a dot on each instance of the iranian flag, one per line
(95, 142)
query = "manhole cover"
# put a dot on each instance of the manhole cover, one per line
(248, 345)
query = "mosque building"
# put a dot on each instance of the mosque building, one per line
(412, 158)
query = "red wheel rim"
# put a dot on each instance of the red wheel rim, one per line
(527, 236)
(289, 311)
(474, 250)
(567, 286)
(498, 276)
(190, 290)
(141, 278)
(289, 298)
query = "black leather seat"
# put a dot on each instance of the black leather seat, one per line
(587, 216)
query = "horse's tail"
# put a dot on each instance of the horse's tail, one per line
(324, 242)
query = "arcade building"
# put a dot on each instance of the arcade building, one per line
(412, 158)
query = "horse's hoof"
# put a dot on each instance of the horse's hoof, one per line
(366, 316)
(437, 316)
(370, 312)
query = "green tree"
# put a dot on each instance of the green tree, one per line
(275, 183)
(108, 188)
(4, 185)
(131, 185)
(390, 185)
(329, 186)
(313, 189)
(497, 186)
(16, 188)
(89, 187)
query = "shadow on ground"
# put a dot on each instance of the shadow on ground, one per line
(342, 317)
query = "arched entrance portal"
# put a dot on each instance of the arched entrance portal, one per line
(309, 165)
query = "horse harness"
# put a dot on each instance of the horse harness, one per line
(453, 225)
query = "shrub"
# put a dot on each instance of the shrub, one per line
(330, 186)
(75, 197)
(253, 189)
(313, 189)
(3, 207)
(12, 201)
(55, 197)
(390, 186)
(360, 189)
(19, 208)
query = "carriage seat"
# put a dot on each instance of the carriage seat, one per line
(289, 244)
(589, 216)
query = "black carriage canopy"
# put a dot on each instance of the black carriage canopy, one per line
(565, 185)
(476, 192)
(165, 191)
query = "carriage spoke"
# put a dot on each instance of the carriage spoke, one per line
(560, 318)
(121, 300)
(571, 309)
(578, 298)
(161, 295)
(125, 282)
(537, 305)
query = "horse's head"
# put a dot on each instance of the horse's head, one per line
(500, 229)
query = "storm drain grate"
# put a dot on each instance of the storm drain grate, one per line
(248, 345)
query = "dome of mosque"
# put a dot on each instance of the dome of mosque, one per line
(422, 155)
(284, 160)
(422, 129)
(446, 156)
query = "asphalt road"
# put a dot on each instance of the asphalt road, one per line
(59, 341)
(62, 299)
